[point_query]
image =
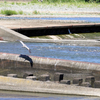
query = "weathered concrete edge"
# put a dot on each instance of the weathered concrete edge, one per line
(50, 63)
(10, 35)
(68, 41)
(17, 84)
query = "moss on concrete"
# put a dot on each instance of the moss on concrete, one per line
(74, 36)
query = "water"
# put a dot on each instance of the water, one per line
(5, 95)
(53, 98)
(85, 19)
(52, 50)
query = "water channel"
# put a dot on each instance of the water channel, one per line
(54, 50)
(83, 19)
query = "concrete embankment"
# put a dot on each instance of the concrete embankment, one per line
(44, 30)
(69, 42)
(18, 63)
(16, 84)
(21, 62)
(10, 35)
(24, 61)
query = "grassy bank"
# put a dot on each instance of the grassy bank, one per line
(47, 7)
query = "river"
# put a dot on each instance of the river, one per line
(83, 19)
(54, 50)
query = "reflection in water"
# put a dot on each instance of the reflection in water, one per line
(52, 50)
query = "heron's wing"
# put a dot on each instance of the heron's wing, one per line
(22, 43)
(25, 46)
(29, 50)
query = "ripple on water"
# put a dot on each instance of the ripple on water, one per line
(85, 19)
(52, 50)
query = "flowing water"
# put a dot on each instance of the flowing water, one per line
(52, 50)
(53, 98)
(84, 19)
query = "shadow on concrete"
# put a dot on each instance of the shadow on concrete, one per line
(27, 58)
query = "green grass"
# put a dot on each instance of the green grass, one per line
(36, 12)
(20, 12)
(41, 37)
(78, 3)
(45, 4)
(10, 12)
(66, 1)
(95, 35)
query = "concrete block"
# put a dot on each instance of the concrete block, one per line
(12, 75)
(91, 80)
(97, 84)
(85, 84)
(44, 77)
(27, 74)
(58, 76)
(31, 77)
(77, 81)
(65, 82)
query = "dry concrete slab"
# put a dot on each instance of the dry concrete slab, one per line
(6, 32)
(16, 84)
(10, 35)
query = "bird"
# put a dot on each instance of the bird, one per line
(25, 46)
(69, 31)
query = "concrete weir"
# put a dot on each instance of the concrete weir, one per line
(7, 34)
(58, 29)
(29, 63)
(24, 66)
(8, 60)
(10, 35)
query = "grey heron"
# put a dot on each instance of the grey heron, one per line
(69, 31)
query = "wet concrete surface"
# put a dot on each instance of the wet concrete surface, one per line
(5, 95)
(16, 94)
(13, 94)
